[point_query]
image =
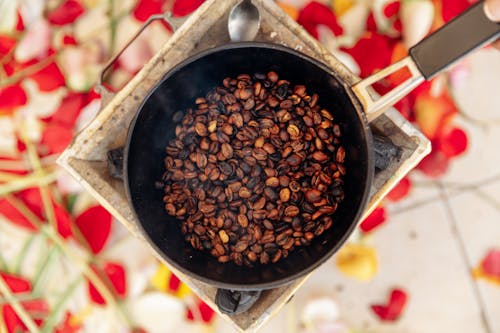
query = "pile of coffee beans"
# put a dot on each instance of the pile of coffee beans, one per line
(255, 170)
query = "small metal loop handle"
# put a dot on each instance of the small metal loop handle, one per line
(173, 22)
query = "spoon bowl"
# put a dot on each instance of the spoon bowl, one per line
(244, 22)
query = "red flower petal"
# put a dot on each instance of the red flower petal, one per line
(453, 142)
(55, 138)
(145, 8)
(6, 44)
(207, 314)
(20, 22)
(401, 190)
(392, 9)
(12, 321)
(380, 311)
(39, 306)
(16, 283)
(95, 226)
(397, 303)
(68, 325)
(116, 275)
(398, 25)
(14, 216)
(174, 283)
(316, 13)
(11, 97)
(69, 40)
(95, 296)
(32, 198)
(491, 263)
(371, 23)
(49, 78)
(395, 307)
(375, 219)
(185, 7)
(69, 109)
(372, 52)
(66, 13)
(451, 8)
(435, 164)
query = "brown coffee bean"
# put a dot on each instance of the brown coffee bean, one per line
(272, 76)
(292, 211)
(272, 182)
(313, 195)
(201, 129)
(243, 220)
(244, 193)
(285, 195)
(241, 246)
(319, 156)
(259, 203)
(264, 258)
(340, 156)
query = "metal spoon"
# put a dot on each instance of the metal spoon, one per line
(244, 22)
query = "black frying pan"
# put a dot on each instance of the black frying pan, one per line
(154, 126)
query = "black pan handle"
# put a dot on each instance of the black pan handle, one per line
(467, 32)
(456, 39)
(233, 302)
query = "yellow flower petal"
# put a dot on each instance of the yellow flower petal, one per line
(479, 273)
(358, 262)
(340, 7)
(290, 10)
(160, 279)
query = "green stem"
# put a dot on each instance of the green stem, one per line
(51, 320)
(22, 254)
(3, 264)
(20, 298)
(113, 22)
(42, 269)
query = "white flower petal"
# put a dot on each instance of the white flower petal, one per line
(320, 310)
(88, 113)
(8, 140)
(157, 312)
(40, 104)
(35, 42)
(8, 16)
(32, 10)
(416, 17)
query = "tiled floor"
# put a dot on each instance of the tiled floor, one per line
(434, 238)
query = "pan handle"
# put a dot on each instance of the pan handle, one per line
(470, 30)
(233, 302)
(173, 22)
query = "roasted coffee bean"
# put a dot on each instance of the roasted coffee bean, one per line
(255, 170)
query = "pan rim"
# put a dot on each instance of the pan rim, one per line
(364, 199)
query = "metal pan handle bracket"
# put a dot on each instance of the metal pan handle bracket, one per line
(173, 22)
(374, 106)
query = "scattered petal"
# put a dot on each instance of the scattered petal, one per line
(69, 109)
(489, 268)
(157, 312)
(315, 14)
(55, 138)
(395, 307)
(185, 7)
(16, 283)
(401, 190)
(68, 325)
(358, 262)
(11, 98)
(320, 310)
(417, 18)
(66, 13)
(451, 8)
(391, 9)
(145, 8)
(374, 220)
(452, 142)
(435, 164)
(8, 139)
(370, 61)
(95, 226)
(49, 78)
(202, 310)
(115, 275)
(35, 42)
